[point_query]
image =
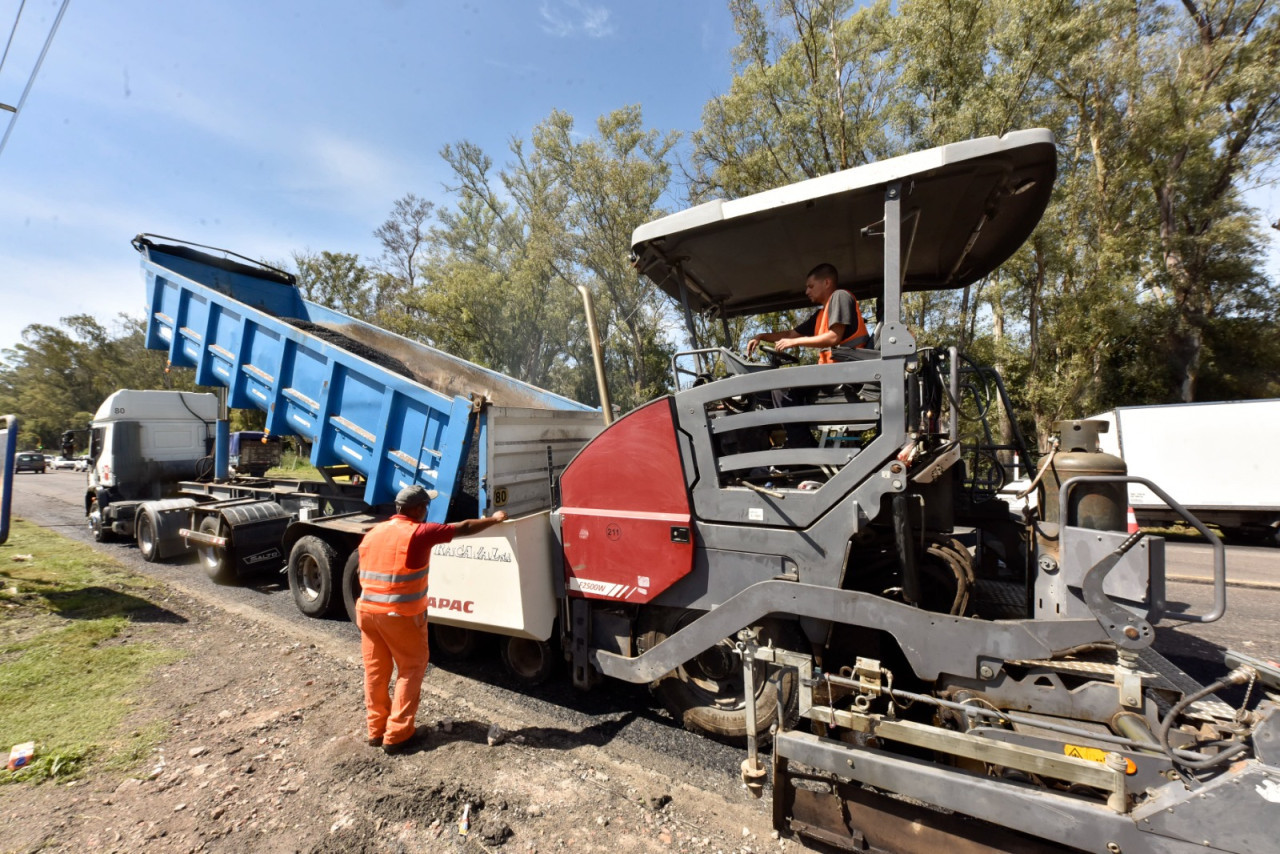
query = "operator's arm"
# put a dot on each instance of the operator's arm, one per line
(475, 526)
(771, 337)
(819, 342)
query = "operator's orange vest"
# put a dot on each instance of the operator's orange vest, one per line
(859, 337)
(387, 584)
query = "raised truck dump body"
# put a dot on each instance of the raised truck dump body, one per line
(369, 403)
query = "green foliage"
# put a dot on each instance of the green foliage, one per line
(498, 281)
(58, 376)
(1144, 281)
(337, 280)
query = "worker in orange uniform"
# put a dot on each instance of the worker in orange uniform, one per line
(392, 613)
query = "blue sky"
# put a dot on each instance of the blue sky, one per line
(267, 127)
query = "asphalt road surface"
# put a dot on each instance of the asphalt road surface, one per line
(56, 500)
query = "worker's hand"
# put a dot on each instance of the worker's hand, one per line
(752, 343)
(785, 344)
(500, 516)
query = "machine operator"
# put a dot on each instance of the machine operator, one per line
(834, 330)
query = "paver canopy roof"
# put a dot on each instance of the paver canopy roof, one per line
(966, 207)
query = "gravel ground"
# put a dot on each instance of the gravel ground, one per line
(266, 753)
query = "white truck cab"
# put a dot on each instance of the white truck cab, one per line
(144, 441)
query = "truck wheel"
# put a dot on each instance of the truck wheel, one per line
(100, 530)
(351, 584)
(147, 538)
(531, 662)
(706, 693)
(315, 577)
(219, 562)
(451, 643)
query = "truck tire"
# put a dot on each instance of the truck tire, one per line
(451, 643)
(219, 562)
(530, 662)
(98, 528)
(315, 577)
(351, 584)
(705, 694)
(147, 537)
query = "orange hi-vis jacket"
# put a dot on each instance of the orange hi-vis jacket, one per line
(858, 338)
(388, 585)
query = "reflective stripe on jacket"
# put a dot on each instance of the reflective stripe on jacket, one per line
(387, 584)
(858, 338)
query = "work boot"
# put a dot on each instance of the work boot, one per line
(418, 739)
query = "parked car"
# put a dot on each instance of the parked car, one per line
(30, 462)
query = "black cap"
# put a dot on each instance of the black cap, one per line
(412, 496)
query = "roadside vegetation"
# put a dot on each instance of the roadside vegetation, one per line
(294, 465)
(74, 655)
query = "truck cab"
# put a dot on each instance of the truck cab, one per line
(142, 445)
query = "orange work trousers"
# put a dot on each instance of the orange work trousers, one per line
(388, 641)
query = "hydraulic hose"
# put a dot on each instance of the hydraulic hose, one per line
(1180, 757)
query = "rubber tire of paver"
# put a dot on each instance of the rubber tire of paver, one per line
(705, 693)
(530, 662)
(451, 643)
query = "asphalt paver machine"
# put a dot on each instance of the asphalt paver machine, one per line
(940, 672)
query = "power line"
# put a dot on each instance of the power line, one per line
(12, 33)
(13, 120)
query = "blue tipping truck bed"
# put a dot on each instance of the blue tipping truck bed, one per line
(396, 411)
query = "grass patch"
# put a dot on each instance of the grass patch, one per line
(69, 676)
(293, 465)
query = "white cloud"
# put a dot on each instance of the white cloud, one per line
(563, 18)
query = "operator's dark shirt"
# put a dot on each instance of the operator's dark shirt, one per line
(842, 308)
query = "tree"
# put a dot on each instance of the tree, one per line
(614, 182)
(499, 282)
(1206, 119)
(1163, 112)
(337, 280)
(58, 376)
(404, 237)
(811, 95)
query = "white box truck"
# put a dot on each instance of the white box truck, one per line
(1213, 458)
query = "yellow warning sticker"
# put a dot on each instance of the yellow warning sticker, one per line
(1093, 754)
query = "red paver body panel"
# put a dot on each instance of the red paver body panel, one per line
(624, 515)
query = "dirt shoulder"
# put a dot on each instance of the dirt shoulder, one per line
(264, 752)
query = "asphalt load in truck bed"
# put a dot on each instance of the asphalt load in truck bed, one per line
(357, 348)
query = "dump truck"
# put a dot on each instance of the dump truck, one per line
(391, 411)
(1200, 453)
(935, 671)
